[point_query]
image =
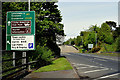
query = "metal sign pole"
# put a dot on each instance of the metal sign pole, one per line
(29, 5)
(14, 58)
(24, 60)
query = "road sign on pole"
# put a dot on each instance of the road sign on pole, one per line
(20, 31)
(90, 45)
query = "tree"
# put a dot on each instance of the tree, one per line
(118, 44)
(91, 38)
(116, 33)
(105, 34)
(78, 41)
(84, 35)
(112, 24)
(94, 28)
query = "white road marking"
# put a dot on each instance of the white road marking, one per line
(86, 67)
(101, 59)
(107, 76)
(96, 70)
(73, 63)
(67, 54)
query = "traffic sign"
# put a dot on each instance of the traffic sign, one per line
(90, 45)
(20, 30)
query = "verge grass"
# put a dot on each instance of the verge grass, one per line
(58, 64)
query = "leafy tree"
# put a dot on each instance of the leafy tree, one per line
(72, 42)
(112, 24)
(116, 33)
(105, 34)
(105, 28)
(91, 38)
(94, 28)
(118, 44)
(84, 38)
(78, 41)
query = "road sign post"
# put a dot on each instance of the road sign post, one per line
(20, 31)
(90, 45)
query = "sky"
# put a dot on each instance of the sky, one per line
(79, 16)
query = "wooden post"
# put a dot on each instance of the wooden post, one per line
(14, 58)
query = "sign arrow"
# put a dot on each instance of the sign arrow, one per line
(9, 23)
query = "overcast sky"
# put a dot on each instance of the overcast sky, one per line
(79, 16)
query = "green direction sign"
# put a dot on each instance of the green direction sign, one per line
(20, 31)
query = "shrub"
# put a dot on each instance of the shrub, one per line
(95, 49)
(118, 44)
(43, 55)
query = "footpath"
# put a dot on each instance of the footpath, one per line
(53, 74)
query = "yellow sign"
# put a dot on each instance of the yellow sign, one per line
(28, 17)
(27, 13)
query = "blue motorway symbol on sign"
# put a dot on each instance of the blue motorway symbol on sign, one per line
(30, 45)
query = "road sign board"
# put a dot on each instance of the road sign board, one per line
(20, 30)
(90, 45)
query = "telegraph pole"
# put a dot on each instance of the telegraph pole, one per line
(96, 38)
(95, 35)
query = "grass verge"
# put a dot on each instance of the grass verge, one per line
(58, 64)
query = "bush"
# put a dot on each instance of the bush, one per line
(118, 44)
(95, 49)
(43, 55)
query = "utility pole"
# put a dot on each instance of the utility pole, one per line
(95, 35)
(96, 38)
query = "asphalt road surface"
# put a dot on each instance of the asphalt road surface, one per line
(95, 67)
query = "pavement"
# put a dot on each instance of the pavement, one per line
(53, 74)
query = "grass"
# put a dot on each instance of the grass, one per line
(58, 64)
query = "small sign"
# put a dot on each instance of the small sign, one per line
(20, 23)
(22, 42)
(90, 45)
(20, 30)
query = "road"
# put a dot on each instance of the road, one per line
(94, 66)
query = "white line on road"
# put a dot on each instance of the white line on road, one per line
(107, 76)
(100, 59)
(96, 70)
(86, 65)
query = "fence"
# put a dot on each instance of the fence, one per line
(16, 70)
